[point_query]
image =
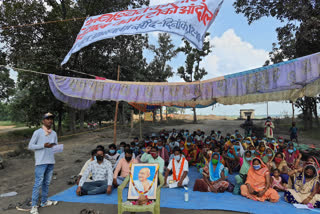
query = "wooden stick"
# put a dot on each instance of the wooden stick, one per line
(140, 125)
(116, 114)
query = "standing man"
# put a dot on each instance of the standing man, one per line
(41, 143)
(268, 128)
(248, 125)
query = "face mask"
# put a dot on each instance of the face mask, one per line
(228, 137)
(213, 138)
(182, 148)
(154, 155)
(237, 132)
(248, 142)
(256, 167)
(248, 159)
(155, 141)
(128, 158)
(290, 151)
(208, 142)
(99, 158)
(177, 157)
(273, 141)
(269, 155)
(132, 148)
(188, 144)
(277, 160)
(94, 158)
(214, 161)
(253, 151)
(160, 147)
(166, 137)
(121, 149)
(112, 151)
(137, 143)
(253, 137)
(280, 141)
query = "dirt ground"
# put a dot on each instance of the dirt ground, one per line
(18, 174)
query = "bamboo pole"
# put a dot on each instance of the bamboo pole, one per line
(140, 125)
(116, 114)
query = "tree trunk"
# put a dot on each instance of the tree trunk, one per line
(154, 115)
(194, 115)
(72, 119)
(123, 117)
(309, 112)
(60, 123)
(161, 118)
(81, 119)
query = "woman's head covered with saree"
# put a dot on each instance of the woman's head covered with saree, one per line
(215, 167)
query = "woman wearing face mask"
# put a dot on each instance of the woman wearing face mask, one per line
(213, 177)
(306, 186)
(231, 157)
(191, 153)
(241, 178)
(247, 142)
(291, 155)
(268, 157)
(280, 164)
(257, 185)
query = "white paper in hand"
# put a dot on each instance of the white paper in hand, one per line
(57, 148)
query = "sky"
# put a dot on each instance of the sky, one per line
(238, 46)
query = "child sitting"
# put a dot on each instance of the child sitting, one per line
(276, 181)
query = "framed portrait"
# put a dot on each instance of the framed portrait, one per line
(143, 180)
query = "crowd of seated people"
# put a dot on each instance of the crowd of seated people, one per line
(263, 166)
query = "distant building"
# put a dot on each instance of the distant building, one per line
(244, 113)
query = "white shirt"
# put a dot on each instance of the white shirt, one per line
(178, 166)
(100, 172)
(112, 158)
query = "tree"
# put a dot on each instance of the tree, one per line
(172, 110)
(42, 48)
(7, 84)
(300, 36)
(159, 69)
(192, 71)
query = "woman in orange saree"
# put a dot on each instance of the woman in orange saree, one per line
(257, 186)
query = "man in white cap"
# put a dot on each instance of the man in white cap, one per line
(41, 143)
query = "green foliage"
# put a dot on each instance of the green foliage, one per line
(6, 83)
(192, 71)
(172, 110)
(43, 47)
(158, 69)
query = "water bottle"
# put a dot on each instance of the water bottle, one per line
(186, 194)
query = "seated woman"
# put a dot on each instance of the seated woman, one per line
(291, 154)
(268, 157)
(306, 185)
(253, 151)
(247, 142)
(213, 177)
(231, 158)
(241, 178)
(280, 164)
(257, 186)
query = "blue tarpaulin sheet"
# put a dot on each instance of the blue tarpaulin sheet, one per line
(174, 198)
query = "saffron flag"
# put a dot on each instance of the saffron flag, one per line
(188, 18)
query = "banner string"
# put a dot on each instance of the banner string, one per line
(37, 72)
(42, 23)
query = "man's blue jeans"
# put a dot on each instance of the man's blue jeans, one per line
(94, 188)
(43, 175)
